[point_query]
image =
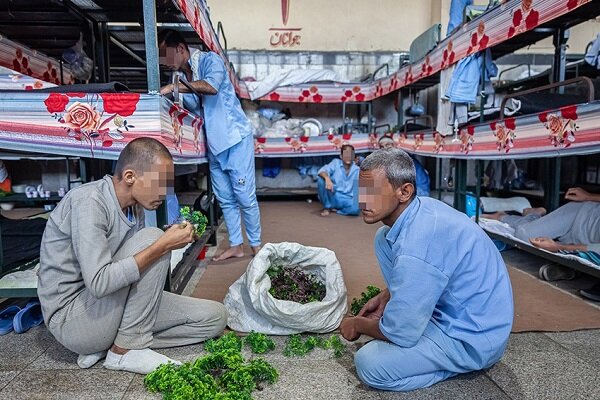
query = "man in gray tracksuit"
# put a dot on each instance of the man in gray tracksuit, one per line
(102, 272)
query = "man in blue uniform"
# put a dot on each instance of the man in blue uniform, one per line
(338, 184)
(448, 306)
(387, 142)
(229, 136)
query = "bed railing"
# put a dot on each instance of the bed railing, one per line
(587, 82)
(428, 119)
(176, 81)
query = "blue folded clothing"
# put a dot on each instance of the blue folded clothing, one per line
(6, 319)
(28, 317)
(590, 256)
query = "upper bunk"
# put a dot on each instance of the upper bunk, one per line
(82, 120)
(499, 27)
(97, 125)
(23, 60)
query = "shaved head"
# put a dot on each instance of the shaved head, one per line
(140, 154)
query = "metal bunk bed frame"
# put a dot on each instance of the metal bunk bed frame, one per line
(178, 278)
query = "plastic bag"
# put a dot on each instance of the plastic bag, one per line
(81, 65)
(251, 307)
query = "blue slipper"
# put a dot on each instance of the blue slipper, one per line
(6, 319)
(28, 317)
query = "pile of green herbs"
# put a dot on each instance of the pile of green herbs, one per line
(291, 283)
(358, 303)
(296, 347)
(223, 374)
(195, 218)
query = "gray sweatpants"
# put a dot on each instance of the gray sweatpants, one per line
(139, 316)
(573, 223)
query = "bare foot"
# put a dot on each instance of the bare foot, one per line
(545, 244)
(325, 212)
(496, 215)
(541, 211)
(255, 250)
(232, 252)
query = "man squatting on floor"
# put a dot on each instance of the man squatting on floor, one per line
(448, 306)
(102, 272)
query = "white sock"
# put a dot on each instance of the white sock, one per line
(139, 361)
(88, 360)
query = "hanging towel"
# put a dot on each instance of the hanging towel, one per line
(592, 56)
(457, 11)
(465, 80)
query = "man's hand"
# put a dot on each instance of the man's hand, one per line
(348, 329)
(178, 236)
(329, 184)
(545, 244)
(373, 309)
(577, 194)
(167, 89)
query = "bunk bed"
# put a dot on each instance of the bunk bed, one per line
(26, 61)
(79, 121)
(503, 28)
(501, 23)
(497, 25)
(97, 125)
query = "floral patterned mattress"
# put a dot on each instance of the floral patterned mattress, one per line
(97, 124)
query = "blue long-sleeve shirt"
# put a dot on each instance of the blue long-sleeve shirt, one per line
(226, 123)
(343, 183)
(448, 272)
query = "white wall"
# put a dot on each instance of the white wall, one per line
(327, 25)
(349, 25)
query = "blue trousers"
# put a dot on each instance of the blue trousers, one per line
(343, 203)
(233, 181)
(387, 366)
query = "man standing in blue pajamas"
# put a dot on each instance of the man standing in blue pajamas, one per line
(337, 184)
(448, 306)
(229, 137)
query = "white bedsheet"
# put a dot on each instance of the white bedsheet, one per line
(493, 204)
(283, 77)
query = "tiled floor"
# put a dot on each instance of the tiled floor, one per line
(535, 366)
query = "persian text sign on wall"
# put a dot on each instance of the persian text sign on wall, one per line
(285, 37)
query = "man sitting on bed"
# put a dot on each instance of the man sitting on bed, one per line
(448, 307)
(337, 184)
(102, 272)
(572, 227)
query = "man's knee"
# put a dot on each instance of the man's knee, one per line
(369, 368)
(246, 199)
(521, 232)
(148, 234)
(220, 318)
(373, 372)
(213, 315)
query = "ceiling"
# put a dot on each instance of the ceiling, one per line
(112, 31)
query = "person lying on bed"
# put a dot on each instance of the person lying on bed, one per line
(448, 306)
(574, 226)
(337, 184)
(102, 273)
